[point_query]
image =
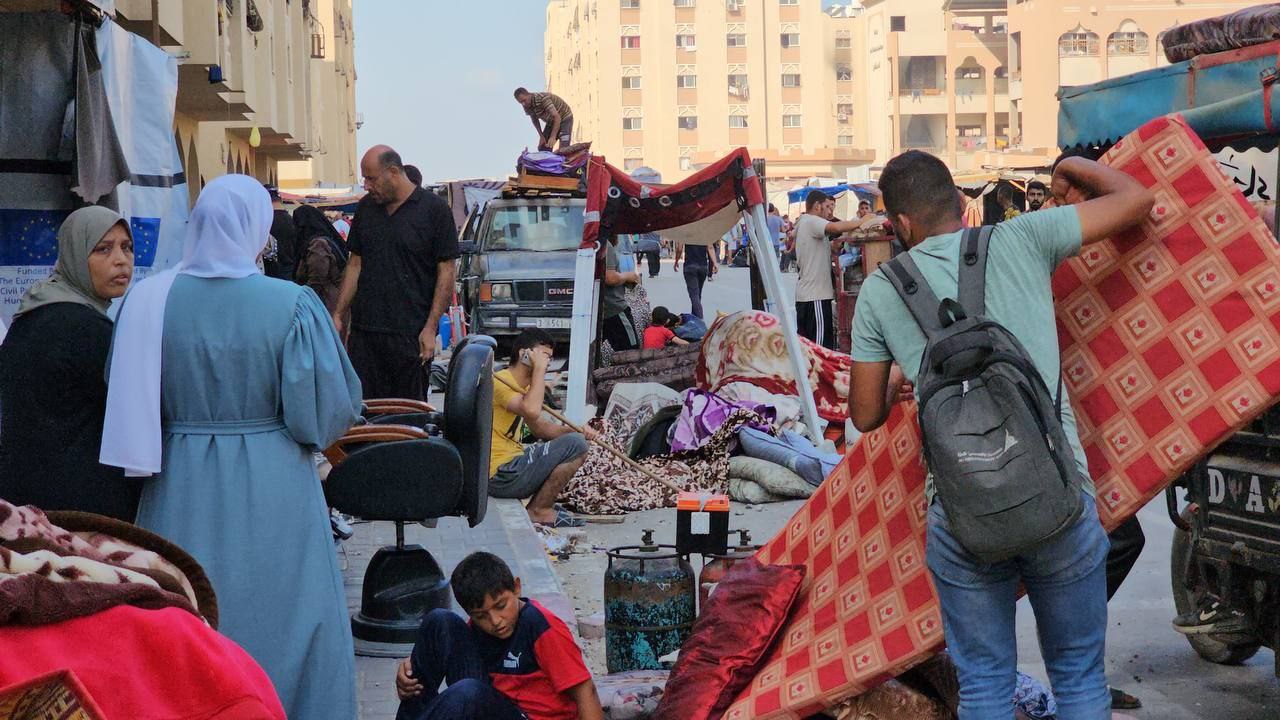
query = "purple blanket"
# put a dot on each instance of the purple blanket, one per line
(704, 412)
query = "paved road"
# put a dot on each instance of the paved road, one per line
(1145, 656)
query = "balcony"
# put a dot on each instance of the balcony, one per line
(135, 16)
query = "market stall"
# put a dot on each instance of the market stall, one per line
(697, 211)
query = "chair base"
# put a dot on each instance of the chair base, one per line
(400, 586)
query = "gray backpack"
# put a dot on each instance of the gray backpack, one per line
(993, 438)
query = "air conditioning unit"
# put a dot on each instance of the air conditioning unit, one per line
(842, 117)
(691, 48)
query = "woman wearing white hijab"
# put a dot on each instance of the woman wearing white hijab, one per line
(52, 389)
(222, 384)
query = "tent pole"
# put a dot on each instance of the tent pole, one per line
(585, 291)
(786, 313)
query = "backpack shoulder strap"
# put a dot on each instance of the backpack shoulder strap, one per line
(915, 292)
(973, 269)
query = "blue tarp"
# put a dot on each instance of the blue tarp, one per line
(1220, 95)
(863, 190)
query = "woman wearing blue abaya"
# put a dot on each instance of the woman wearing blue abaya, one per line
(222, 384)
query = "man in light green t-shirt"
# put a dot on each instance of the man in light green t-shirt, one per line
(1065, 577)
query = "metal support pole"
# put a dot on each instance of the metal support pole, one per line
(786, 313)
(585, 292)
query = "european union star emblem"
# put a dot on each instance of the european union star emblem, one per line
(146, 235)
(30, 237)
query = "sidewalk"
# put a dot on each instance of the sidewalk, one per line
(505, 532)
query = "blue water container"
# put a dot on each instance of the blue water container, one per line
(446, 332)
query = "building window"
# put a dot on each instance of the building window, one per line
(738, 85)
(843, 43)
(736, 39)
(630, 41)
(630, 4)
(687, 82)
(689, 122)
(631, 83)
(684, 3)
(788, 2)
(898, 23)
(632, 123)
(790, 40)
(791, 121)
(630, 164)
(1078, 44)
(1127, 43)
(686, 163)
(844, 140)
(685, 41)
(737, 121)
(844, 111)
(844, 74)
(791, 80)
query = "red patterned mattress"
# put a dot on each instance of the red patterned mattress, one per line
(1170, 343)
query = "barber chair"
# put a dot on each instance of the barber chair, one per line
(406, 473)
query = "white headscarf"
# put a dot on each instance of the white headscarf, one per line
(229, 227)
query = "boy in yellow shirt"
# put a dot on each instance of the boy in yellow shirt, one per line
(538, 471)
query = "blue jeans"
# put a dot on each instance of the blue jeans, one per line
(445, 651)
(1066, 581)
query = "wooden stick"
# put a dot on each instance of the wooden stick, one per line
(614, 451)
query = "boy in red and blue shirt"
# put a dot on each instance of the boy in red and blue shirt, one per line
(513, 661)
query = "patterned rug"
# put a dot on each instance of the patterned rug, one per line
(1169, 344)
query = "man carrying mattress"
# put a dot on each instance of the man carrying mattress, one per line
(999, 435)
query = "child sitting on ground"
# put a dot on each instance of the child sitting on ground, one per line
(660, 332)
(514, 660)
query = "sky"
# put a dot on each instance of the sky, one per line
(434, 81)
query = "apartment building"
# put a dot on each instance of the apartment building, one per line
(265, 87)
(674, 84)
(975, 81)
(284, 68)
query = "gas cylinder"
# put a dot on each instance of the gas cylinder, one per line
(649, 604)
(714, 569)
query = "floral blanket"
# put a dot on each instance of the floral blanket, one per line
(49, 574)
(607, 486)
(749, 347)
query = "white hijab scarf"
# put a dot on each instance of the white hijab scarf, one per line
(228, 228)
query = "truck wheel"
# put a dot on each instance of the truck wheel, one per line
(1189, 588)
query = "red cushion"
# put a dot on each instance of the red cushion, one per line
(729, 640)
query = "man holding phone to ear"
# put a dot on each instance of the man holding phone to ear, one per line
(540, 470)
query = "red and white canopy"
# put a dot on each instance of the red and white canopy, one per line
(696, 211)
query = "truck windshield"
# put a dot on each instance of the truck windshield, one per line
(536, 228)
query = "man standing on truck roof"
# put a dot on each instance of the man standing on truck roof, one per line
(551, 117)
(399, 278)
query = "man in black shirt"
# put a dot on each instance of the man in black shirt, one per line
(398, 280)
(282, 265)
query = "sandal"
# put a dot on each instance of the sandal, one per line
(1121, 700)
(565, 519)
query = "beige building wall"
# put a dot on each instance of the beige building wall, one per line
(1067, 43)
(617, 64)
(292, 77)
(975, 81)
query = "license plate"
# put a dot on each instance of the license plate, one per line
(1244, 493)
(553, 323)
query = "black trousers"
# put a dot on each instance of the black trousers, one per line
(655, 262)
(620, 331)
(388, 364)
(816, 323)
(1127, 541)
